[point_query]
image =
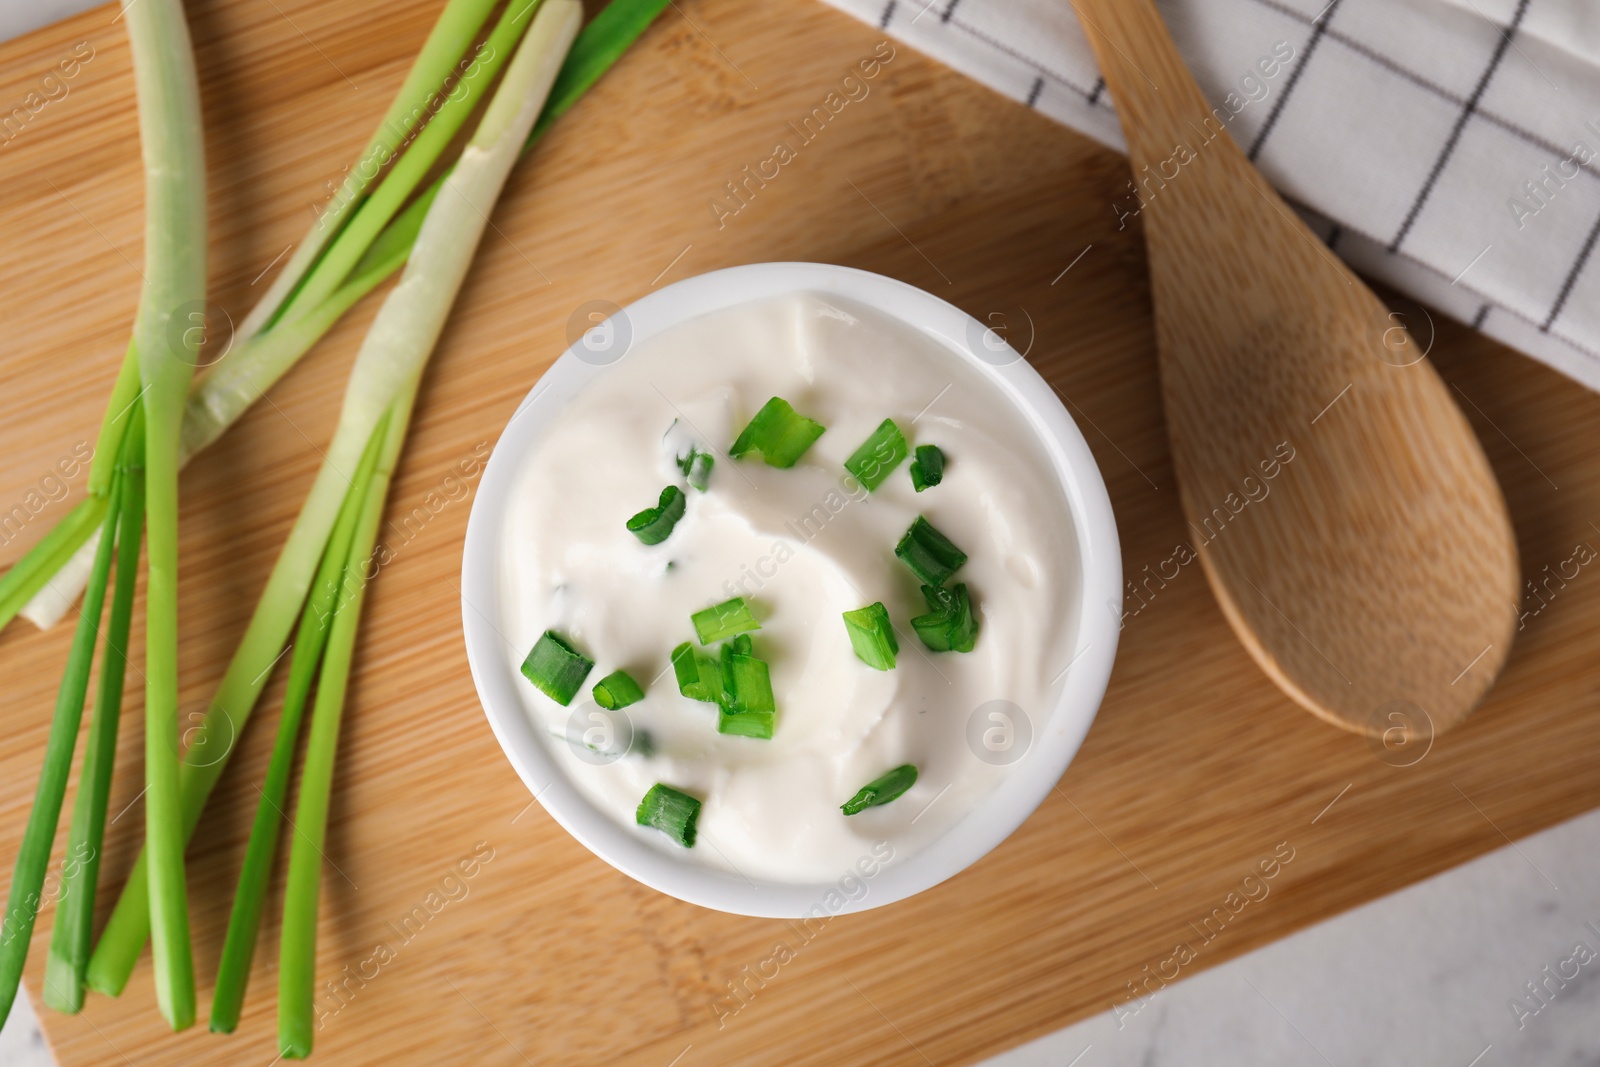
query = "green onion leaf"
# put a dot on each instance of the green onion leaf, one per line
(881, 790)
(373, 211)
(931, 555)
(872, 636)
(328, 595)
(723, 620)
(927, 468)
(556, 668)
(696, 467)
(878, 455)
(779, 433)
(671, 811)
(598, 46)
(699, 677)
(617, 690)
(33, 856)
(949, 625)
(654, 525)
(73, 935)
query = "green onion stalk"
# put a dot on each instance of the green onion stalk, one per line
(76, 554)
(167, 343)
(72, 935)
(46, 581)
(262, 355)
(378, 404)
(310, 639)
(439, 230)
(297, 948)
(27, 878)
(137, 453)
(455, 29)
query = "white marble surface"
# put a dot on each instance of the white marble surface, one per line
(1421, 978)
(1430, 976)
(21, 1040)
(18, 17)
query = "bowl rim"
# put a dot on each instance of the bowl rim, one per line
(873, 881)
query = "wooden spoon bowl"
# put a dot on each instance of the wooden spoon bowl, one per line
(1342, 508)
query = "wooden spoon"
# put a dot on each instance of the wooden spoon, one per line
(1374, 574)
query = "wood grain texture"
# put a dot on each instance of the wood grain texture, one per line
(1197, 768)
(1377, 581)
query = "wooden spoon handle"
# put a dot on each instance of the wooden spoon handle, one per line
(1155, 95)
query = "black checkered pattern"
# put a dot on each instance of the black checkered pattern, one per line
(1403, 129)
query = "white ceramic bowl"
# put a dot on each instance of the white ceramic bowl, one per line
(495, 667)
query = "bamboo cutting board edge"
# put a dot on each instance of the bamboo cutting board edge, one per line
(1195, 771)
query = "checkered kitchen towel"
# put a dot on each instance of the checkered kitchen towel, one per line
(1448, 147)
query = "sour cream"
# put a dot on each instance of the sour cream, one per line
(802, 545)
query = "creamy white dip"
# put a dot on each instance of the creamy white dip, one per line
(803, 546)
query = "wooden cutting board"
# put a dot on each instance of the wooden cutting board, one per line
(1196, 771)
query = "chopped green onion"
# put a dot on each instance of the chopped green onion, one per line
(671, 811)
(931, 555)
(881, 790)
(696, 467)
(723, 620)
(699, 677)
(746, 682)
(872, 636)
(654, 525)
(744, 722)
(747, 707)
(779, 433)
(617, 690)
(949, 626)
(556, 668)
(878, 455)
(927, 468)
